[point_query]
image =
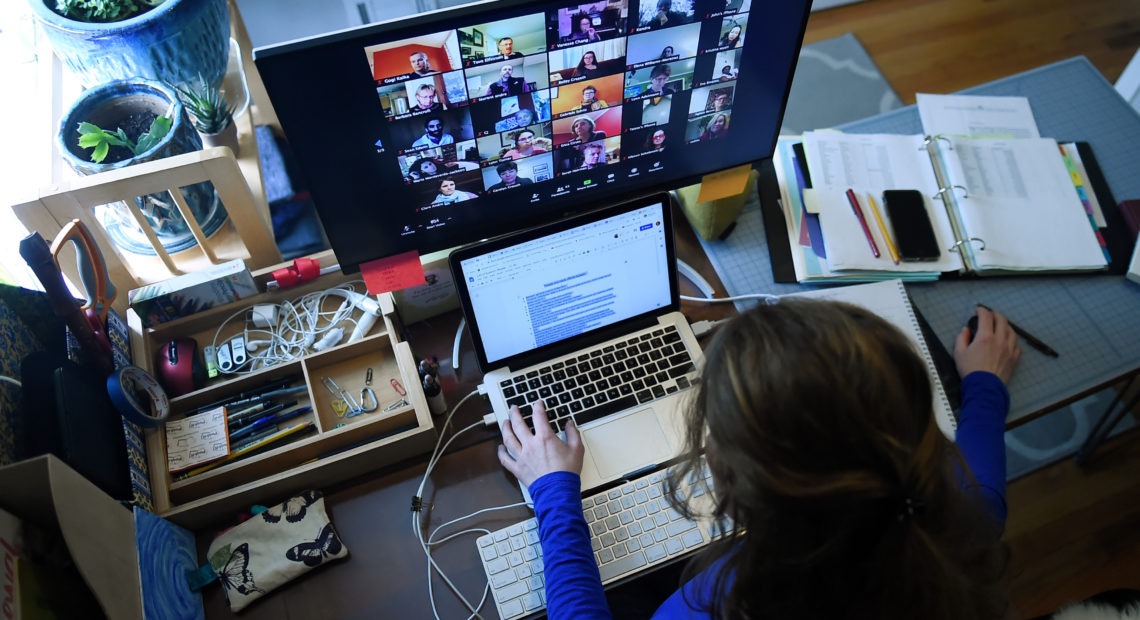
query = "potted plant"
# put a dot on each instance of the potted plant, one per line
(213, 116)
(169, 40)
(125, 122)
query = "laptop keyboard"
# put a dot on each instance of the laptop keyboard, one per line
(632, 527)
(609, 379)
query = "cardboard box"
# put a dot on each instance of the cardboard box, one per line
(192, 293)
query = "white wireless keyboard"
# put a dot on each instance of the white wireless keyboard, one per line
(632, 527)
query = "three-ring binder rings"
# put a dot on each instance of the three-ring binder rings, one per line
(998, 205)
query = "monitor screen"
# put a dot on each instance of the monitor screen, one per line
(430, 132)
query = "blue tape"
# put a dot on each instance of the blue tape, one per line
(138, 396)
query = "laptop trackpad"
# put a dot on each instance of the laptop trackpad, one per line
(627, 444)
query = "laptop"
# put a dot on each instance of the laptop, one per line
(585, 314)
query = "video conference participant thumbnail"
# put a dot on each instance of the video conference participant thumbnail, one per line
(588, 95)
(659, 80)
(586, 23)
(510, 112)
(444, 160)
(588, 61)
(658, 14)
(657, 45)
(730, 7)
(407, 59)
(645, 141)
(588, 156)
(455, 188)
(502, 40)
(710, 127)
(725, 67)
(650, 111)
(732, 30)
(427, 94)
(516, 144)
(716, 98)
(588, 127)
(431, 130)
(509, 77)
(512, 173)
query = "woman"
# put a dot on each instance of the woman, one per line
(847, 499)
(583, 129)
(667, 53)
(731, 39)
(588, 66)
(585, 30)
(448, 194)
(656, 141)
(524, 146)
(717, 127)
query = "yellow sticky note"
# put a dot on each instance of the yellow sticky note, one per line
(723, 184)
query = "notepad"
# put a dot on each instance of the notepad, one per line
(999, 206)
(889, 300)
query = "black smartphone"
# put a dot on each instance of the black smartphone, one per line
(910, 223)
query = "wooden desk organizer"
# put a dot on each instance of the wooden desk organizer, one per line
(340, 448)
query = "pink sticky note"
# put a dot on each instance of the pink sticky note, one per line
(393, 273)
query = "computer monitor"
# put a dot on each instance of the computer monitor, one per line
(429, 132)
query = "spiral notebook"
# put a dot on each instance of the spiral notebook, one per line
(889, 300)
(999, 206)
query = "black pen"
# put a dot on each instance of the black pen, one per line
(1033, 341)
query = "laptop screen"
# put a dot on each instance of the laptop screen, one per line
(539, 289)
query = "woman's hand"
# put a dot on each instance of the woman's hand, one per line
(994, 349)
(533, 454)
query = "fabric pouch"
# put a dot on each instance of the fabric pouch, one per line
(274, 547)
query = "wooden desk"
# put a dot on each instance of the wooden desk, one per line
(385, 575)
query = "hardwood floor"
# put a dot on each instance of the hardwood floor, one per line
(1073, 531)
(940, 46)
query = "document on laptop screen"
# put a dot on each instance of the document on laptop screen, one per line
(560, 285)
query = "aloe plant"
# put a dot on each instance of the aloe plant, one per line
(207, 106)
(104, 10)
(93, 136)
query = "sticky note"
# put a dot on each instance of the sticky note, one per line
(725, 183)
(393, 273)
(196, 439)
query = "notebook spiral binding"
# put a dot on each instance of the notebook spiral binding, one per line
(935, 382)
(964, 244)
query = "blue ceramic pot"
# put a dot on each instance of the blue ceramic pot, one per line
(107, 106)
(173, 42)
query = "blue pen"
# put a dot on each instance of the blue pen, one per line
(264, 421)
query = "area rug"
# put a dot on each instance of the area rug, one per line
(835, 82)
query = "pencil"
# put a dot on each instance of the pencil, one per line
(883, 229)
(1033, 341)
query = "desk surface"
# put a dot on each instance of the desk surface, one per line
(385, 575)
(1090, 320)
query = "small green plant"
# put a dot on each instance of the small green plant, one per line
(93, 136)
(207, 106)
(104, 10)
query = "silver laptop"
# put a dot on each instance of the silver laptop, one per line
(584, 314)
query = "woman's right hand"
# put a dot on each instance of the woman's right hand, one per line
(994, 348)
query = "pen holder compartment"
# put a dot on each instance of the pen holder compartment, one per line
(334, 449)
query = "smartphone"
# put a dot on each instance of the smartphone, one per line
(910, 223)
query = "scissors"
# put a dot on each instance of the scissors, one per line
(99, 291)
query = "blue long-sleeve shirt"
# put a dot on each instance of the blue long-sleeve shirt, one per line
(574, 586)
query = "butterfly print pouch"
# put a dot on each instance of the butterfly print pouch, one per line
(274, 547)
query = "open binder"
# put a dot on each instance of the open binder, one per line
(998, 206)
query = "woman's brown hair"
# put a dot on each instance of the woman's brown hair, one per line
(848, 501)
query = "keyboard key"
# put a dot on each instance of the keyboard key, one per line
(613, 406)
(532, 601)
(674, 546)
(605, 555)
(620, 567)
(677, 527)
(504, 579)
(646, 540)
(512, 608)
(692, 538)
(655, 552)
(488, 553)
(619, 552)
(497, 565)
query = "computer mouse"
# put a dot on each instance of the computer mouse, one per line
(973, 325)
(179, 367)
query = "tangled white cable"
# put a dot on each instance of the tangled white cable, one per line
(299, 327)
